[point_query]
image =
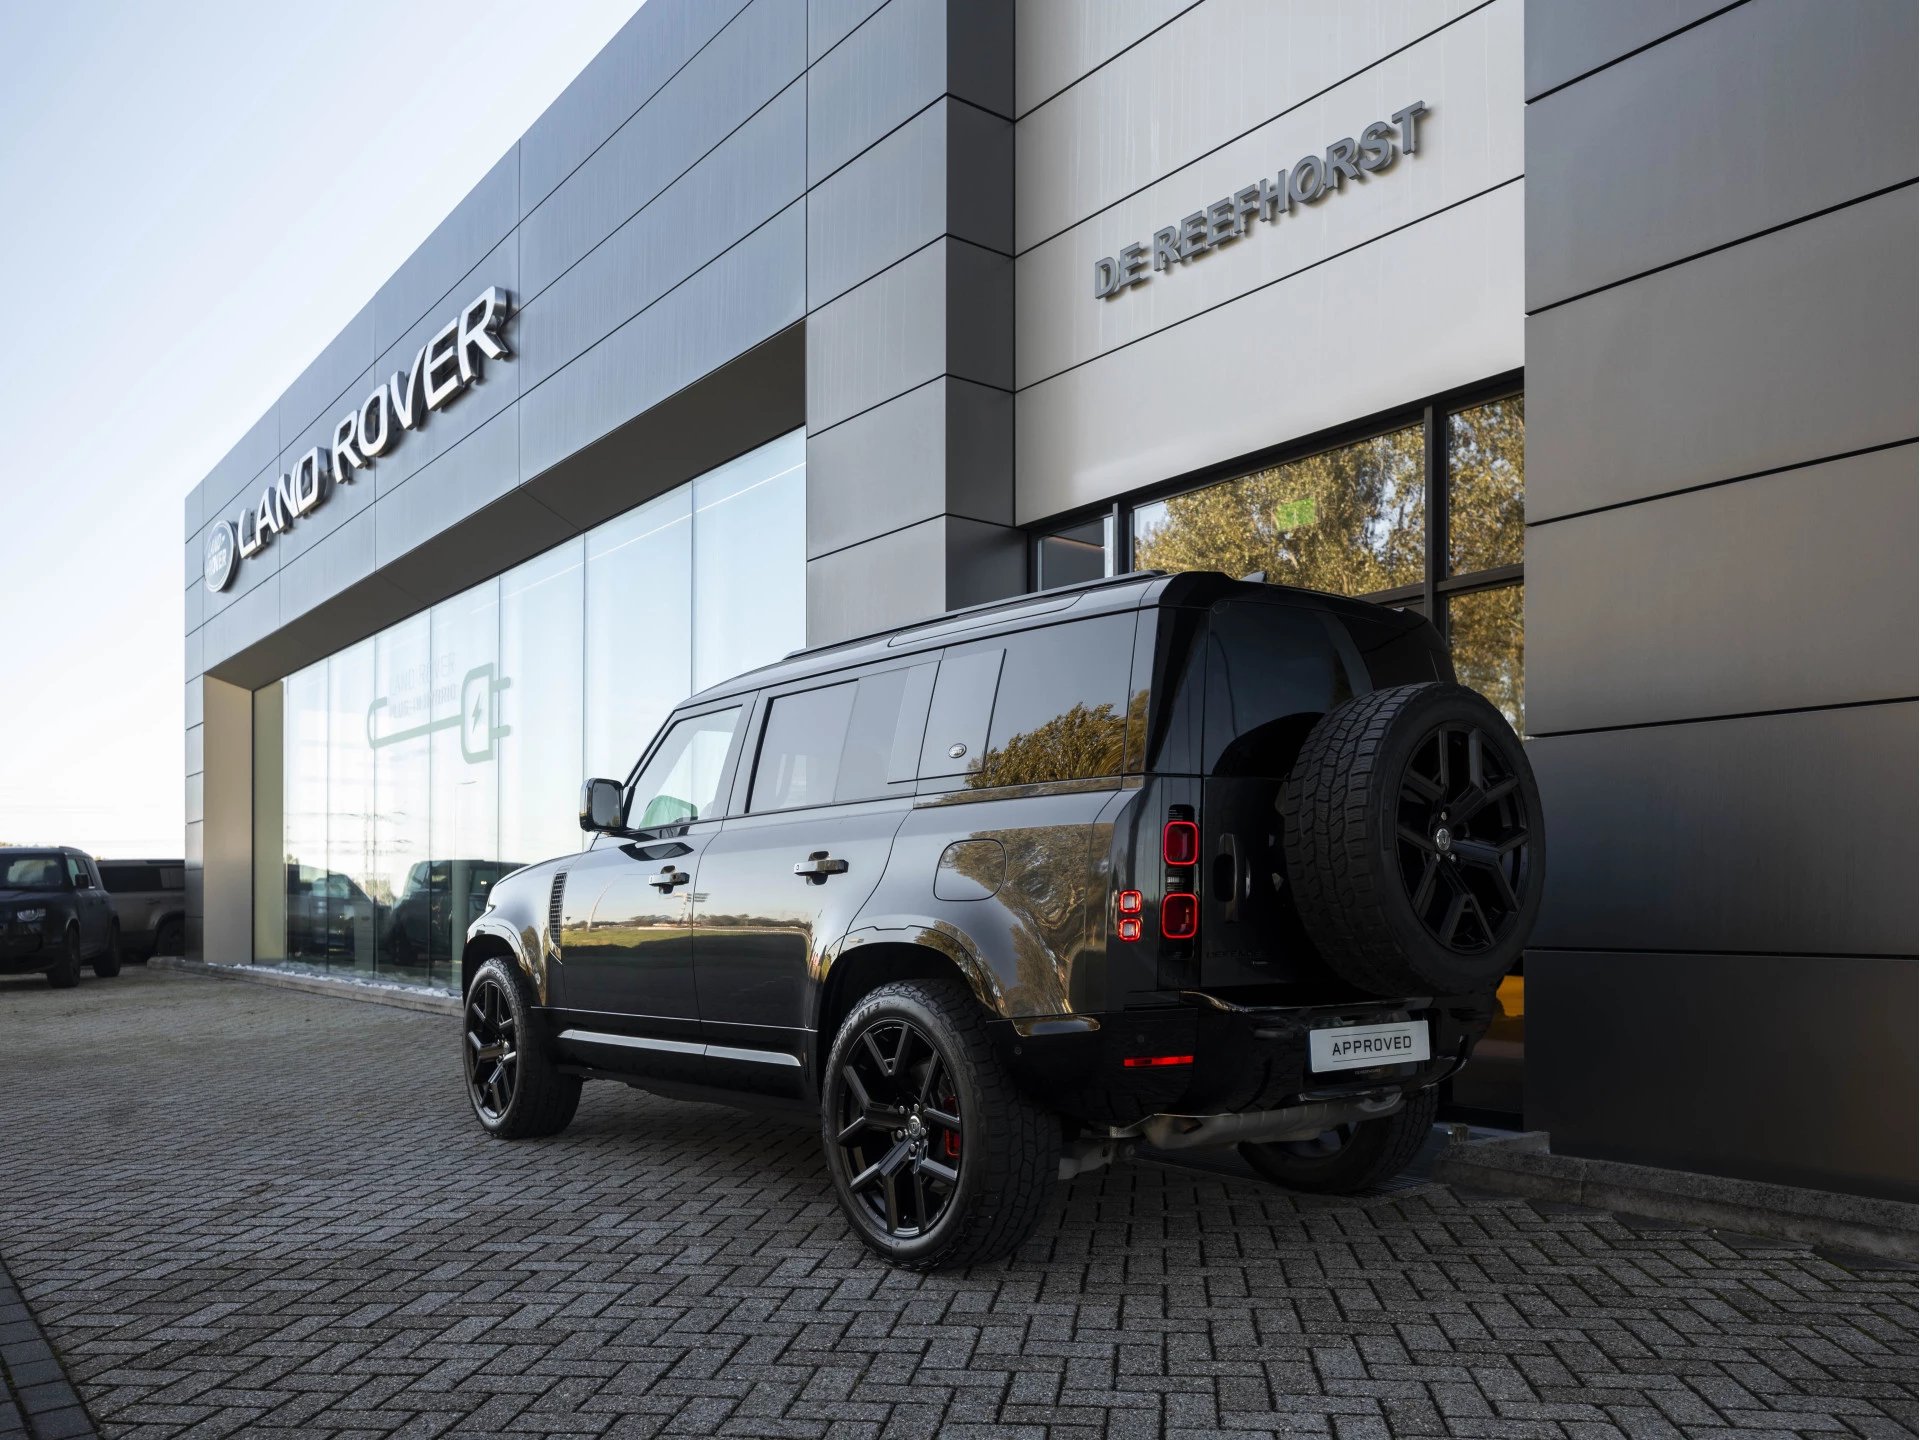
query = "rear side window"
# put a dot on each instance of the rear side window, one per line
(130, 879)
(842, 742)
(1272, 671)
(1398, 654)
(1060, 709)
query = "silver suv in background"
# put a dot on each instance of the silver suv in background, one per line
(150, 899)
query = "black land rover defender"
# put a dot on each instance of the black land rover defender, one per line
(1175, 860)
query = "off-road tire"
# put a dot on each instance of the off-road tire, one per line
(541, 1100)
(106, 964)
(1009, 1162)
(65, 974)
(1342, 812)
(170, 939)
(1375, 1151)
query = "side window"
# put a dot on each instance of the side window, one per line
(1060, 712)
(129, 879)
(1272, 672)
(679, 782)
(77, 872)
(800, 756)
(962, 702)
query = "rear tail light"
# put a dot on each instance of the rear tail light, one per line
(1131, 905)
(1180, 842)
(1155, 1062)
(1180, 916)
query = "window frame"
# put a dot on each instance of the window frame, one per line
(747, 705)
(740, 803)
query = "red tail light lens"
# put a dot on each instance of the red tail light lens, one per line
(1180, 842)
(1154, 1062)
(1180, 916)
(1130, 928)
(1131, 902)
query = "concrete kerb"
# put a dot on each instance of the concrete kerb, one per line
(401, 997)
(1525, 1165)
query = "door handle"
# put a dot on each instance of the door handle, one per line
(818, 866)
(1229, 859)
(668, 878)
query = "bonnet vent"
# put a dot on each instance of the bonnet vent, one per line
(553, 911)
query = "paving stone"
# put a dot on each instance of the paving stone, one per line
(236, 1210)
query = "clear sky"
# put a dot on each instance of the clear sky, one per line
(195, 196)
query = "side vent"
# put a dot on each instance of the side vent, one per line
(553, 912)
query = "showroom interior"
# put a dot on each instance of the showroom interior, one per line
(795, 319)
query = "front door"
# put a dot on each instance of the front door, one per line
(781, 883)
(90, 901)
(625, 972)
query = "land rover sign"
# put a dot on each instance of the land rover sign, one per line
(442, 369)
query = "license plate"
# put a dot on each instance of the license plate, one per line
(1355, 1047)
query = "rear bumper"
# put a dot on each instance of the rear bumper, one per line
(1243, 1057)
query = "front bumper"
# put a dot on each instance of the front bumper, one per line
(23, 950)
(1243, 1057)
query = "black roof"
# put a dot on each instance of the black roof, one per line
(973, 622)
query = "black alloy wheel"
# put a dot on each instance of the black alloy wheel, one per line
(900, 1130)
(107, 963)
(66, 974)
(1464, 846)
(493, 1049)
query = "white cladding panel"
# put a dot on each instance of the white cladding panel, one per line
(1404, 284)
(1056, 42)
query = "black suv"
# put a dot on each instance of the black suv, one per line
(55, 915)
(1175, 860)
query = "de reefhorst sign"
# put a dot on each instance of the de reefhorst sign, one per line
(444, 367)
(1310, 179)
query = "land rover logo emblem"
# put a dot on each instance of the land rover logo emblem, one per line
(222, 555)
(1443, 840)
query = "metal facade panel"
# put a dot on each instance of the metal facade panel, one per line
(1729, 1064)
(880, 339)
(880, 76)
(900, 194)
(470, 475)
(1469, 76)
(1657, 611)
(754, 174)
(255, 451)
(343, 558)
(429, 280)
(757, 56)
(1177, 95)
(831, 21)
(251, 571)
(249, 619)
(330, 375)
(342, 501)
(195, 712)
(1056, 42)
(1566, 38)
(1725, 860)
(1790, 347)
(748, 294)
(1597, 211)
(661, 37)
(897, 577)
(1417, 312)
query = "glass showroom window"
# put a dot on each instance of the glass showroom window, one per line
(1427, 514)
(397, 780)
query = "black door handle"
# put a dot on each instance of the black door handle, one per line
(1229, 860)
(818, 866)
(668, 878)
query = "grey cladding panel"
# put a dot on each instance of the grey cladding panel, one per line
(831, 21)
(343, 558)
(947, 170)
(429, 279)
(754, 174)
(1566, 38)
(341, 501)
(251, 618)
(1056, 42)
(1728, 835)
(1598, 211)
(945, 448)
(1729, 1064)
(887, 581)
(748, 63)
(255, 451)
(884, 72)
(1769, 594)
(1791, 347)
(473, 473)
(195, 706)
(747, 295)
(657, 41)
(329, 376)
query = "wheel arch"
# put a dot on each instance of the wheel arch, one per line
(866, 961)
(488, 943)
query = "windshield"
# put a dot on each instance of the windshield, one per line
(32, 872)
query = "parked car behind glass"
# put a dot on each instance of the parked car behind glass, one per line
(149, 899)
(54, 916)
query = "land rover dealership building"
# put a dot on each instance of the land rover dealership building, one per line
(1585, 330)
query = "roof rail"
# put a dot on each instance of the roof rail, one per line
(1024, 597)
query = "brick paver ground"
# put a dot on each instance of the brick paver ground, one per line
(239, 1209)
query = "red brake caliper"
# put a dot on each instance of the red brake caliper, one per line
(950, 1140)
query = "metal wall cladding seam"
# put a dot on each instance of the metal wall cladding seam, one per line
(879, 76)
(831, 21)
(248, 620)
(1358, 335)
(1694, 143)
(1056, 42)
(745, 296)
(328, 376)
(343, 499)
(253, 452)
(429, 279)
(1768, 594)
(661, 37)
(753, 175)
(1217, 71)
(1716, 865)
(905, 570)
(1787, 348)
(467, 478)
(1728, 1064)
(1470, 141)
(1566, 38)
(752, 60)
(343, 558)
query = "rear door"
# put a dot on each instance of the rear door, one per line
(90, 901)
(823, 792)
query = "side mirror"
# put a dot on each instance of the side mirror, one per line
(601, 806)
